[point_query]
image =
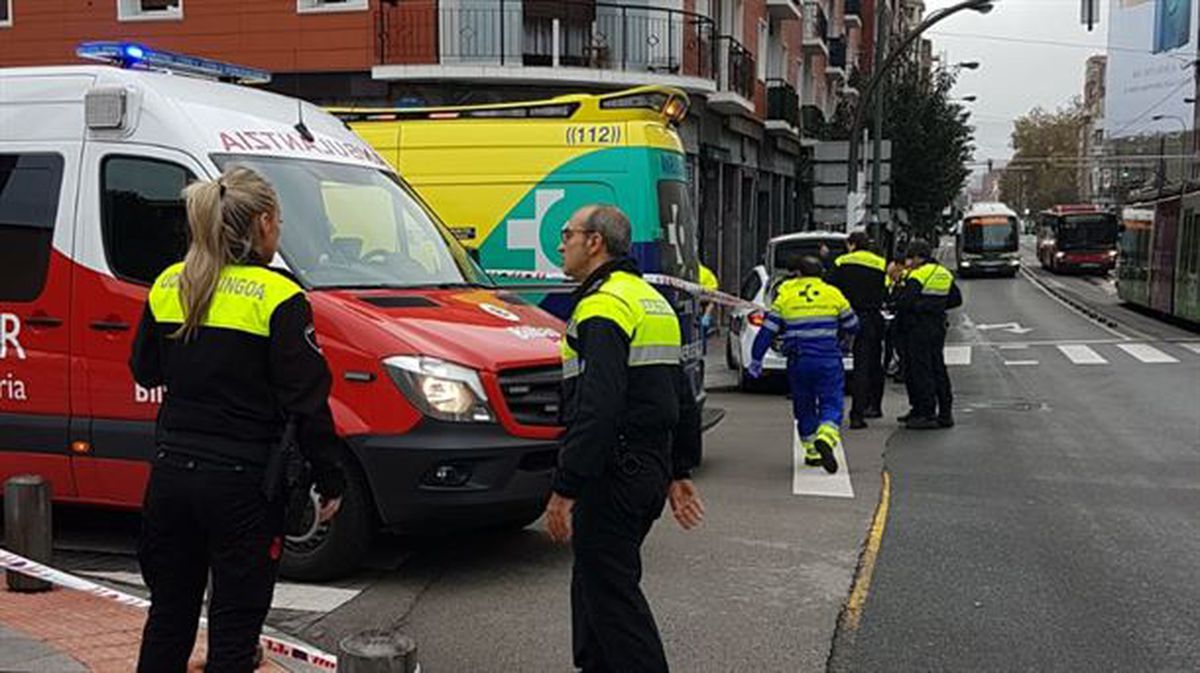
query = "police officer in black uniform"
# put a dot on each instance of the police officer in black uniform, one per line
(861, 276)
(632, 437)
(233, 342)
(921, 304)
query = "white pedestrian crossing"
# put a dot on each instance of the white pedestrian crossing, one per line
(1147, 354)
(1087, 353)
(1082, 355)
(957, 355)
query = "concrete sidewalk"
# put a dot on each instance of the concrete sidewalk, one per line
(68, 631)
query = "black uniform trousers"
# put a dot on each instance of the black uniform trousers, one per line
(867, 377)
(613, 629)
(200, 517)
(926, 377)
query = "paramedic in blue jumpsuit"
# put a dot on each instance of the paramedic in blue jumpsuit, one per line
(815, 325)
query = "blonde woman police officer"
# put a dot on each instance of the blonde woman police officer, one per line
(233, 342)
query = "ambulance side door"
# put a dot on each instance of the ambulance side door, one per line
(135, 226)
(37, 197)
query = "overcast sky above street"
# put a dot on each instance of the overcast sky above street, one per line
(1032, 53)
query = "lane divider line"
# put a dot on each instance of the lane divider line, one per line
(866, 567)
(1082, 310)
(284, 648)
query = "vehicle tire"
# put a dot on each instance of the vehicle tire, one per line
(748, 384)
(338, 548)
(729, 361)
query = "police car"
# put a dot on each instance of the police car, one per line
(758, 286)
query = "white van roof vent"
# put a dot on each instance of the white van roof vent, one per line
(104, 107)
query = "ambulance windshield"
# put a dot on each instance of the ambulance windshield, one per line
(350, 226)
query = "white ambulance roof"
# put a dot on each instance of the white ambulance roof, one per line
(195, 115)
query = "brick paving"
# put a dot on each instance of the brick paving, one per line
(101, 635)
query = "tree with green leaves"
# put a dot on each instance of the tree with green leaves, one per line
(1041, 174)
(931, 141)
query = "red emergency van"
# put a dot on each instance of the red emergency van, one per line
(445, 386)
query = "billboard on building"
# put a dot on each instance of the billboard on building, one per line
(1151, 47)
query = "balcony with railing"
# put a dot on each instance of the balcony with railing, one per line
(785, 10)
(736, 69)
(783, 108)
(837, 58)
(816, 27)
(564, 41)
(853, 13)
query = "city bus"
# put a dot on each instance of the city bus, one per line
(988, 241)
(1160, 256)
(505, 177)
(1077, 238)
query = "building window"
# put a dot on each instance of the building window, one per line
(149, 10)
(142, 216)
(5, 13)
(29, 192)
(317, 6)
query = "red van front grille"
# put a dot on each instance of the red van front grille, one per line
(533, 396)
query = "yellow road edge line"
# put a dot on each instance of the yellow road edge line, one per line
(866, 569)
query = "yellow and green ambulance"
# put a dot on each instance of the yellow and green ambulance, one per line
(505, 178)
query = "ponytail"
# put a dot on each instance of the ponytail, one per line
(221, 215)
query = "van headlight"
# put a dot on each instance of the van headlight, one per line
(440, 389)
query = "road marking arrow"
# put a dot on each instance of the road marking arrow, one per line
(1010, 327)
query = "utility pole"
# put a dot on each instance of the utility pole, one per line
(882, 35)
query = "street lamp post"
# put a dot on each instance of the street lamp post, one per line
(981, 6)
(1163, 148)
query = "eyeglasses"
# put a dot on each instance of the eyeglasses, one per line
(568, 232)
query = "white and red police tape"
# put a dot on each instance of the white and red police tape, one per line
(277, 646)
(714, 296)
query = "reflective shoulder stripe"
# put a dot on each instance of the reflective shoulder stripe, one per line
(244, 300)
(654, 355)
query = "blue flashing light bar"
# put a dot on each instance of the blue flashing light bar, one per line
(130, 55)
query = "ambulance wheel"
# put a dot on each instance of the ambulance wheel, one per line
(337, 548)
(729, 360)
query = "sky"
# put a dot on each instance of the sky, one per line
(1031, 53)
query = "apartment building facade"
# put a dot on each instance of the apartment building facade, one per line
(763, 74)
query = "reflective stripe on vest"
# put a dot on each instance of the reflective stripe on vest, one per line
(245, 298)
(641, 313)
(935, 279)
(862, 258)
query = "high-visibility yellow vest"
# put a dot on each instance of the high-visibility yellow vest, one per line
(935, 279)
(640, 311)
(708, 279)
(244, 300)
(862, 258)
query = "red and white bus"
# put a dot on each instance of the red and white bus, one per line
(1078, 238)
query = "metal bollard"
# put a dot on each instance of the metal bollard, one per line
(27, 527)
(378, 652)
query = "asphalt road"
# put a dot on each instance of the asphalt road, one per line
(1057, 527)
